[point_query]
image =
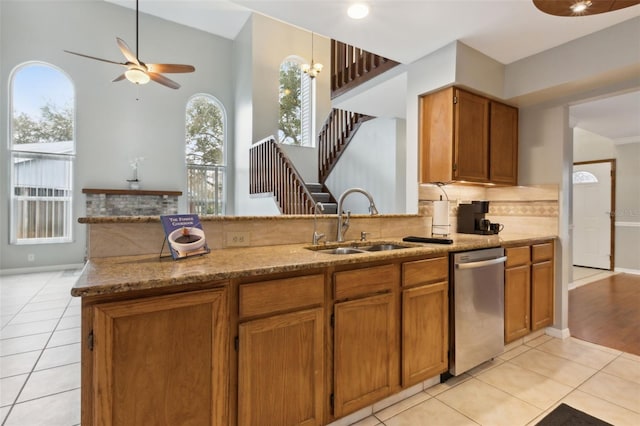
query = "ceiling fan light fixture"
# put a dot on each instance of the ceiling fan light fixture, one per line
(580, 6)
(137, 76)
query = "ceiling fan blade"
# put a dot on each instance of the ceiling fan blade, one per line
(119, 78)
(127, 52)
(97, 59)
(159, 78)
(170, 68)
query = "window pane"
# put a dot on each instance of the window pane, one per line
(290, 122)
(42, 109)
(41, 198)
(42, 148)
(205, 136)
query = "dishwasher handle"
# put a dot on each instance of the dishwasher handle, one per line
(481, 263)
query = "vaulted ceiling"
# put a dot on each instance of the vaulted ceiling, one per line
(407, 30)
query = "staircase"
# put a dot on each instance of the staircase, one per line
(271, 170)
(322, 195)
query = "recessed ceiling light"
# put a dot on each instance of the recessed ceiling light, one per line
(580, 6)
(358, 10)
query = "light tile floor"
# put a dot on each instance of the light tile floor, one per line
(40, 372)
(39, 349)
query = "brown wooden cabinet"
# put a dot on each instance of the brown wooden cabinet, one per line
(467, 137)
(529, 289)
(366, 345)
(425, 318)
(160, 360)
(542, 288)
(517, 293)
(281, 353)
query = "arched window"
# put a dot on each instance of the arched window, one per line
(295, 124)
(42, 146)
(205, 155)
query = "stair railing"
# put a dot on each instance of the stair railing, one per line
(334, 136)
(271, 171)
(352, 66)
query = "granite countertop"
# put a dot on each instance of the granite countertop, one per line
(128, 273)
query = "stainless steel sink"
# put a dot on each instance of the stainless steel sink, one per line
(384, 247)
(342, 250)
(359, 248)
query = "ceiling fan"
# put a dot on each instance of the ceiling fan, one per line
(581, 7)
(139, 72)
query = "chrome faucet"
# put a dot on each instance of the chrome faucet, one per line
(344, 225)
(316, 235)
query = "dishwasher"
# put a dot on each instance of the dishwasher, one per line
(477, 308)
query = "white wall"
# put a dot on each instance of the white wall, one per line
(258, 114)
(115, 121)
(370, 162)
(589, 146)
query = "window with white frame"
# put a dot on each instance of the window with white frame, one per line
(42, 154)
(295, 124)
(205, 155)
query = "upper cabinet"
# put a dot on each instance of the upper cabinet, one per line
(467, 137)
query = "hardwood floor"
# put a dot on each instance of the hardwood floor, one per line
(607, 312)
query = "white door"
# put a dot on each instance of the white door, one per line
(591, 215)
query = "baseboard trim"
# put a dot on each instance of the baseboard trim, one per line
(627, 271)
(35, 269)
(558, 333)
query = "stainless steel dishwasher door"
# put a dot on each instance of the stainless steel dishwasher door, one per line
(477, 304)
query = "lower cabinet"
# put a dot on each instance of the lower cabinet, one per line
(542, 288)
(281, 353)
(159, 361)
(529, 289)
(280, 380)
(425, 320)
(365, 353)
(517, 293)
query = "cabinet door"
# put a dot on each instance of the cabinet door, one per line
(436, 136)
(281, 370)
(365, 352)
(471, 137)
(541, 295)
(517, 290)
(424, 332)
(162, 360)
(503, 137)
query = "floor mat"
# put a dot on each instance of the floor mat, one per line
(565, 415)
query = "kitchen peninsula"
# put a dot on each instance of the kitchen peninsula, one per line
(276, 333)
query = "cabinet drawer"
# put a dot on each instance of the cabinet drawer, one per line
(424, 271)
(365, 281)
(542, 252)
(280, 295)
(517, 256)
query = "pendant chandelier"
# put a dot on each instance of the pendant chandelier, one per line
(314, 68)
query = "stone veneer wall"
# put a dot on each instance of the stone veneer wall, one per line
(130, 204)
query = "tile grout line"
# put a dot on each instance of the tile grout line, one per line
(15, 401)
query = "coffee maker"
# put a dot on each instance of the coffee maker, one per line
(471, 219)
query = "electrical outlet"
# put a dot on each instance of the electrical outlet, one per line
(31, 257)
(238, 239)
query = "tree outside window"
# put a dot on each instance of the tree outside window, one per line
(205, 137)
(294, 124)
(42, 154)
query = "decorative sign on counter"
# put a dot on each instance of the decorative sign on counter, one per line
(184, 235)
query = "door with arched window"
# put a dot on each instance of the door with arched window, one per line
(205, 155)
(42, 148)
